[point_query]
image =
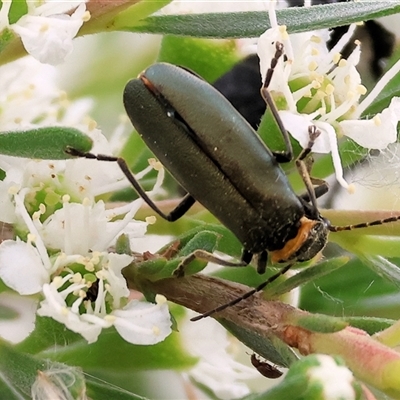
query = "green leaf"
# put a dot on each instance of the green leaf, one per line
(112, 353)
(160, 268)
(253, 24)
(306, 275)
(138, 11)
(19, 371)
(321, 323)
(351, 291)
(209, 59)
(102, 390)
(47, 143)
(384, 97)
(370, 325)
(48, 333)
(270, 348)
(17, 10)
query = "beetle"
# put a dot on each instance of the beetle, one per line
(264, 368)
(221, 162)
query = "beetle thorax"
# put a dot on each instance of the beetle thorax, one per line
(309, 241)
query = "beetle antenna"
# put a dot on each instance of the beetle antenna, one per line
(334, 228)
(244, 296)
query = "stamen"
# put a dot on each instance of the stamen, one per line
(380, 85)
(272, 14)
(40, 247)
(4, 12)
(68, 234)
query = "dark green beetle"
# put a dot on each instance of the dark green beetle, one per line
(218, 158)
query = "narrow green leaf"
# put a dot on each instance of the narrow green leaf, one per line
(19, 371)
(47, 143)
(321, 323)
(271, 348)
(253, 24)
(370, 325)
(138, 11)
(160, 267)
(101, 390)
(307, 275)
(384, 97)
(48, 334)
(18, 9)
(112, 353)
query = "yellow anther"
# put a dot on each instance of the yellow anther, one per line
(377, 120)
(361, 89)
(314, 52)
(336, 58)
(315, 39)
(312, 66)
(151, 219)
(329, 89)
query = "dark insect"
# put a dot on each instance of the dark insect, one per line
(220, 161)
(93, 291)
(264, 368)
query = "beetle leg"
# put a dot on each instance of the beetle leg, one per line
(304, 170)
(245, 296)
(319, 191)
(262, 262)
(205, 256)
(173, 215)
(286, 155)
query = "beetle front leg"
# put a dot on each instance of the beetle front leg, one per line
(286, 155)
(172, 216)
(304, 172)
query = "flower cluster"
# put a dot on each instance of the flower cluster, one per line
(47, 29)
(61, 254)
(316, 86)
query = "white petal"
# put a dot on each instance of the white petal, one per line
(143, 323)
(7, 207)
(217, 368)
(55, 307)
(117, 283)
(21, 268)
(49, 39)
(16, 330)
(298, 124)
(375, 133)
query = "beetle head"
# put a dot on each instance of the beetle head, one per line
(311, 238)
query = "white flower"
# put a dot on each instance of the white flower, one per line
(47, 29)
(216, 368)
(137, 323)
(82, 284)
(336, 380)
(319, 88)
